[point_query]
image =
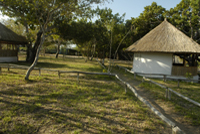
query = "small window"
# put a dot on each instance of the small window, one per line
(178, 60)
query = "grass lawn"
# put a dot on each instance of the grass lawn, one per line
(47, 104)
(125, 64)
(190, 111)
(67, 64)
(191, 90)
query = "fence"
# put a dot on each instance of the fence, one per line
(168, 90)
(175, 128)
(163, 75)
(13, 66)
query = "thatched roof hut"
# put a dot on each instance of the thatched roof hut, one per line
(9, 43)
(165, 50)
(9, 37)
(165, 38)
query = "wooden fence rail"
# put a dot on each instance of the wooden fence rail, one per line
(169, 122)
(164, 76)
(175, 128)
(9, 66)
(168, 90)
(101, 64)
(168, 94)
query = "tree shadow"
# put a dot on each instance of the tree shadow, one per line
(55, 107)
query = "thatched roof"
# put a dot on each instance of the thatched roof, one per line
(9, 37)
(165, 38)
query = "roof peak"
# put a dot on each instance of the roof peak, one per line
(165, 38)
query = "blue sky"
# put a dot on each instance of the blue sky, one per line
(133, 8)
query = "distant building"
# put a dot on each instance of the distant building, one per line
(157, 52)
(9, 44)
(72, 52)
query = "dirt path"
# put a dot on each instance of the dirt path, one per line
(165, 108)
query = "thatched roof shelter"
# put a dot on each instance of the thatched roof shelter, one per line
(165, 38)
(7, 36)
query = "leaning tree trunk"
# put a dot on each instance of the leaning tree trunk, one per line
(32, 51)
(36, 59)
(58, 49)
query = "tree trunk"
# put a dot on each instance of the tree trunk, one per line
(93, 53)
(28, 51)
(88, 53)
(109, 69)
(103, 57)
(58, 49)
(36, 58)
(32, 51)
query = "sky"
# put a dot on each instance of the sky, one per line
(133, 8)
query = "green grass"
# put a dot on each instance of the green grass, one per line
(189, 111)
(189, 89)
(67, 64)
(47, 104)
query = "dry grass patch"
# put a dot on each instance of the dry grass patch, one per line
(47, 104)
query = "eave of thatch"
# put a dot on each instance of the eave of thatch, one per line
(9, 37)
(165, 38)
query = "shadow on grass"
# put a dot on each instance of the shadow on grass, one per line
(61, 106)
(63, 66)
(43, 64)
(55, 116)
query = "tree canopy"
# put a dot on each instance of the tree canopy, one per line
(69, 19)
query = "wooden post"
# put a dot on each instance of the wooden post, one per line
(178, 83)
(59, 74)
(134, 75)
(169, 94)
(78, 77)
(166, 93)
(125, 87)
(164, 78)
(8, 67)
(39, 72)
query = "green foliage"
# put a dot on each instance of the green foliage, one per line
(185, 16)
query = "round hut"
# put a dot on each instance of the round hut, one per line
(165, 51)
(9, 43)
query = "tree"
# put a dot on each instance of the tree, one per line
(186, 17)
(43, 13)
(17, 28)
(111, 22)
(151, 17)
